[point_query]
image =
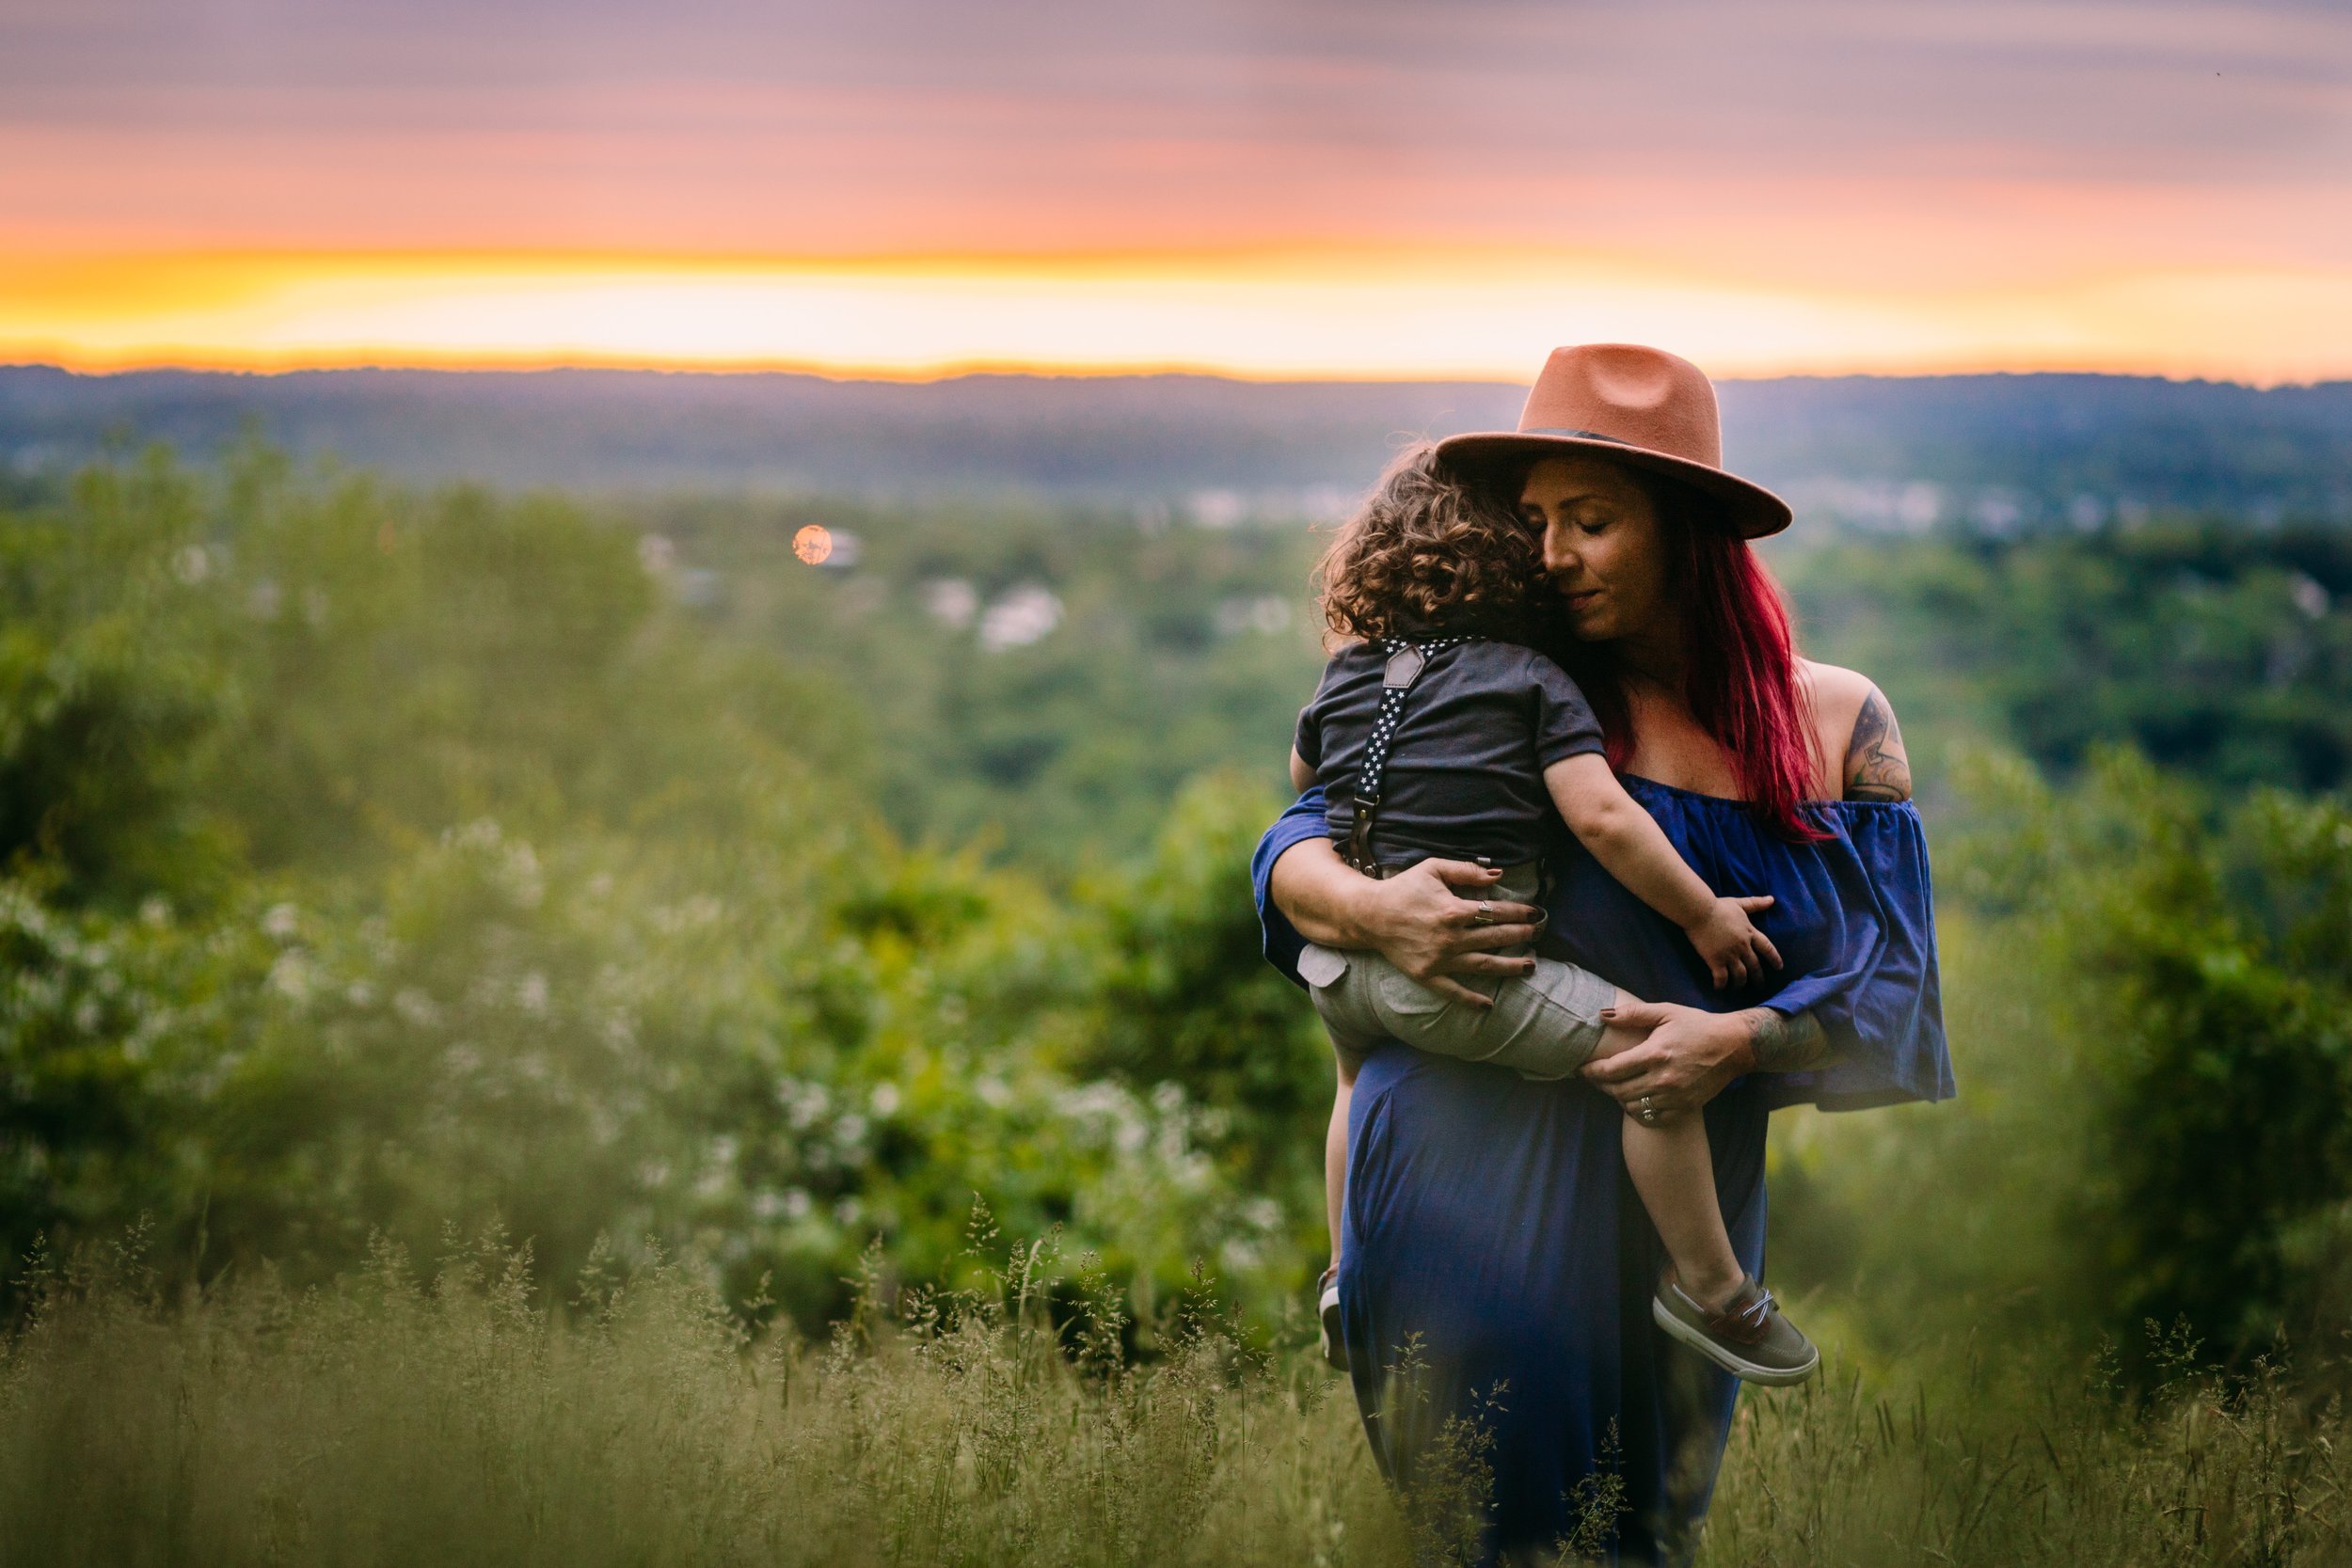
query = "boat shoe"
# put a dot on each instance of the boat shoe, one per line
(1749, 1338)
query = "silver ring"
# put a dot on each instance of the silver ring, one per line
(1648, 1116)
(1484, 914)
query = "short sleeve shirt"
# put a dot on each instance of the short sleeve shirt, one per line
(1465, 775)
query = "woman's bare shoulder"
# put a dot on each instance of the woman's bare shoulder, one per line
(1859, 744)
(1829, 685)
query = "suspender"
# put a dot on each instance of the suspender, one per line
(1405, 662)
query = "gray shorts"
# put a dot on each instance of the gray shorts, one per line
(1545, 1026)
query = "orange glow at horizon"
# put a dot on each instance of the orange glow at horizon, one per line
(1262, 188)
(1305, 313)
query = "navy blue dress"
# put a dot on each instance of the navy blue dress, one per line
(1494, 1244)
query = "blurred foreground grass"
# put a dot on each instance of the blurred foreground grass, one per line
(386, 1420)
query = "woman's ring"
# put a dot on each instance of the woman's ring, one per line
(1484, 914)
(1646, 1111)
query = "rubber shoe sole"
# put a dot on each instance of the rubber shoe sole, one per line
(1327, 1309)
(1729, 1360)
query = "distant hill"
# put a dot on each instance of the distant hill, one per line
(1997, 453)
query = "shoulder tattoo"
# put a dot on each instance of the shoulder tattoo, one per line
(1786, 1044)
(1877, 767)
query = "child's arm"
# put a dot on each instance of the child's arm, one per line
(1628, 842)
(1301, 775)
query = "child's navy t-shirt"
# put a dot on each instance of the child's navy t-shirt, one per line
(1466, 768)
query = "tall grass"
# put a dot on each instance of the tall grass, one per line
(2054, 1471)
(395, 1422)
(455, 1421)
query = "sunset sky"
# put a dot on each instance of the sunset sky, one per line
(1265, 187)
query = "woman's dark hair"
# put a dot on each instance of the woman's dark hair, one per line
(1427, 551)
(1742, 661)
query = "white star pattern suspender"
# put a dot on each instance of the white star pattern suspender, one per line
(1405, 662)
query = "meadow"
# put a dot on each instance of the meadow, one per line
(510, 1002)
(457, 1421)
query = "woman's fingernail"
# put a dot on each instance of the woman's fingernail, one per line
(1608, 1012)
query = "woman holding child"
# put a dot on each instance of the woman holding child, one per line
(1557, 1050)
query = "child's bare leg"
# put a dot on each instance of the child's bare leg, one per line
(1335, 1149)
(1674, 1173)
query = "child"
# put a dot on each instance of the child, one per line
(1437, 734)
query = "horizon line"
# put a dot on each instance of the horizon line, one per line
(1400, 318)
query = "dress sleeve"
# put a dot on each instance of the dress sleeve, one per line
(1281, 941)
(1880, 997)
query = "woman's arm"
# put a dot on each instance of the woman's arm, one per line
(1859, 747)
(1877, 767)
(1414, 919)
(1690, 1054)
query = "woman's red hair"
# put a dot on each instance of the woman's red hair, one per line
(1742, 667)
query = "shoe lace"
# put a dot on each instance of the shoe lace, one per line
(1755, 1314)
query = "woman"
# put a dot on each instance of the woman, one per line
(1497, 1273)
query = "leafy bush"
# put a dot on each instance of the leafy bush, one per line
(382, 857)
(1186, 996)
(837, 1041)
(2152, 1020)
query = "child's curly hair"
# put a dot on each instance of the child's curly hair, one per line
(1427, 549)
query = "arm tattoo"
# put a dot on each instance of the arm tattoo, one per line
(1877, 767)
(1784, 1044)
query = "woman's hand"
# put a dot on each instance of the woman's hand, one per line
(1419, 924)
(1414, 919)
(1688, 1057)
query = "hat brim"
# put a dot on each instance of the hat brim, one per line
(1747, 510)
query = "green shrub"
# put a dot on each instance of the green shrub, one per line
(1185, 995)
(382, 855)
(2151, 1023)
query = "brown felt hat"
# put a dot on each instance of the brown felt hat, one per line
(1641, 406)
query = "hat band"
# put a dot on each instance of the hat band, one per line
(1581, 435)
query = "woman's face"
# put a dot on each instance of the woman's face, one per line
(1603, 546)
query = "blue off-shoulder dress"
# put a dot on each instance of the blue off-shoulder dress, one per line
(1496, 1263)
